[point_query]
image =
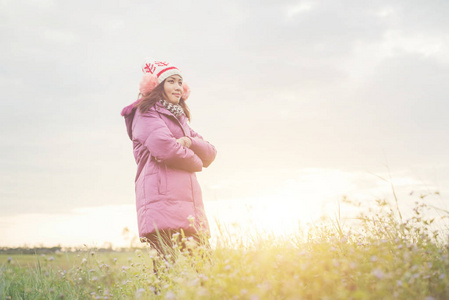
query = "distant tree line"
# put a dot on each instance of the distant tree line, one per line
(56, 249)
(26, 250)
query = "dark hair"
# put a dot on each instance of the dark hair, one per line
(157, 94)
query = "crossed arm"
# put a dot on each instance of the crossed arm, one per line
(151, 131)
(186, 153)
(205, 150)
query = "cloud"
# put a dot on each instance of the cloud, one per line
(291, 83)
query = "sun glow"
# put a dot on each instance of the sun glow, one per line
(302, 199)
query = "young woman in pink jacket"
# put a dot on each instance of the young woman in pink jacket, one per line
(168, 154)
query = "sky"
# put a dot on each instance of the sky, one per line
(305, 101)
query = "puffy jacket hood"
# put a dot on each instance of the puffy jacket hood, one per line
(128, 112)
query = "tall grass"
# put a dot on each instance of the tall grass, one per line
(382, 255)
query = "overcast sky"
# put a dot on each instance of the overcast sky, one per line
(279, 87)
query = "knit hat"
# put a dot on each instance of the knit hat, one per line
(157, 71)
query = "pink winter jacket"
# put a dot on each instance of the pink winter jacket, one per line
(167, 190)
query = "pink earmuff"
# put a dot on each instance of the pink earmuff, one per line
(148, 83)
(185, 91)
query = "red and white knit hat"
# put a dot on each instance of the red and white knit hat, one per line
(157, 71)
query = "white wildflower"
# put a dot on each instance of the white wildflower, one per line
(139, 293)
(170, 296)
(378, 273)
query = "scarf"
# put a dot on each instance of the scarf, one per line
(175, 109)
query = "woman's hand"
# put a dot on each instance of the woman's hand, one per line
(184, 141)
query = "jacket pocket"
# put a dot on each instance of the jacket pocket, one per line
(162, 179)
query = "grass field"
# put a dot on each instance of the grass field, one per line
(382, 257)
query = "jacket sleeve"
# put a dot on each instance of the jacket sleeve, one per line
(152, 132)
(205, 150)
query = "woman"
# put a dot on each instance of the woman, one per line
(168, 153)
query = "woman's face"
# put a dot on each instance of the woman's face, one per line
(173, 89)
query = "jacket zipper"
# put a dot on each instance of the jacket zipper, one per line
(191, 181)
(172, 115)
